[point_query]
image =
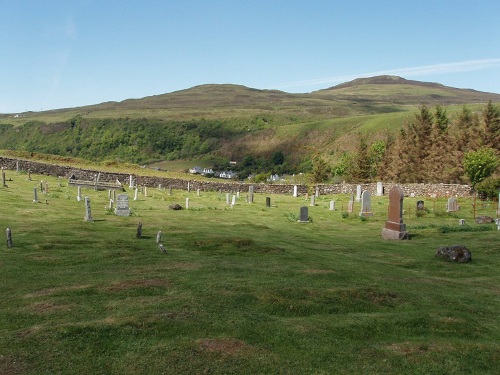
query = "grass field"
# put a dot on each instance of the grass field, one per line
(243, 290)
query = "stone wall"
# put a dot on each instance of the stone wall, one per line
(420, 190)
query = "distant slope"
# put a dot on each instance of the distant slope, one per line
(397, 90)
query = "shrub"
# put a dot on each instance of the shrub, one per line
(488, 188)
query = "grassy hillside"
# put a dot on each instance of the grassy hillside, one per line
(231, 122)
(242, 290)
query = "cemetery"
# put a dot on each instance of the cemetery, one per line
(367, 281)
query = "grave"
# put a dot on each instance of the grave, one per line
(304, 215)
(461, 222)
(332, 205)
(452, 205)
(268, 201)
(313, 200)
(394, 228)
(9, 238)
(35, 195)
(358, 193)
(88, 213)
(295, 191)
(122, 207)
(136, 192)
(187, 203)
(420, 206)
(366, 205)
(79, 194)
(317, 192)
(233, 200)
(380, 189)
(3, 178)
(350, 206)
(158, 237)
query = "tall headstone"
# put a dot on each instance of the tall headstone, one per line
(394, 228)
(130, 182)
(304, 214)
(9, 238)
(136, 193)
(189, 187)
(366, 204)
(350, 206)
(3, 178)
(198, 192)
(145, 191)
(122, 207)
(187, 203)
(29, 174)
(332, 205)
(268, 201)
(158, 237)
(250, 199)
(139, 230)
(358, 193)
(17, 166)
(295, 191)
(317, 192)
(233, 200)
(313, 200)
(79, 194)
(88, 212)
(452, 205)
(250, 192)
(380, 189)
(35, 195)
(227, 198)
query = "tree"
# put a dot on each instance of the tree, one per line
(320, 171)
(480, 164)
(491, 120)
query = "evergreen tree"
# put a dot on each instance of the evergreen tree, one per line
(491, 120)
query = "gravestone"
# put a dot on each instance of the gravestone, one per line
(250, 189)
(358, 193)
(268, 201)
(233, 200)
(79, 194)
(313, 200)
(198, 192)
(35, 195)
(366, 204)
(9, 238)
(111, 204)
(350, 206)
(88, 213)
(130, 182)
(394, 228)
(227, 198)
(238, 194)
(170, 190)
(332, 205)
(29, 174)
(136, 192)
(189, 187)
(295, 191)
(452, 205)
(46, 190)
(158, 237)
(17, 166)
(122, 207)
(304, 214)
(250, 199)
(139, 230)
(113, 195)
(187, 203)
(3, 178)
(420, 206)
(317, 192)
(109, 193)
(461, 222)
(380, 189)
(145, 191)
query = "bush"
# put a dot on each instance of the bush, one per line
(488, 188)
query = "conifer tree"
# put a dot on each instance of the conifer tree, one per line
(491, 120)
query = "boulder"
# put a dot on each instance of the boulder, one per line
(484, 220)
(175, 206)
(454, 253)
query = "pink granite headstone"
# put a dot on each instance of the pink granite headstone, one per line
(394, 228)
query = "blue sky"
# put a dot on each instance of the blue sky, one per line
(59, 54)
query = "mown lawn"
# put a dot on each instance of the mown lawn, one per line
(243, 290)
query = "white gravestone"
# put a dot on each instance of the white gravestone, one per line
(380, 189)
(332, 205)
(366, 205)
(88, 212)
(358, 193)
(79, 194)
(295, 192)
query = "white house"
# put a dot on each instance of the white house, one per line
(195, 170)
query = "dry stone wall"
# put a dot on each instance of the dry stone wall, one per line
(420, 190)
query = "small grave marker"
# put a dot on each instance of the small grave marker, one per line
(304, 215)
(9, 238)
(88, 213)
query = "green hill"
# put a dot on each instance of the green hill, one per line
(231, 122)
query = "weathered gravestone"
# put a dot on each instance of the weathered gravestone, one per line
(187, 203)
(35, 195)
(79, 194)
(452, 205)
(332, 205)
(3, 178)
(380, 189)
(227, 198)
(250, 192)
(139, 230)
(9, 238)
(122, 207)
(394, 228)
(316, 193)
(350, 206)
(295, 191)
(130, 182)
(313, 200)
(136, 193)
(158, 237)
(268, 201)
(304, 215)
(366, 205)
(358, 193)
(233, 200)
(88, 212)
(420, 206)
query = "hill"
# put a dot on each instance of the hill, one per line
(233, 122)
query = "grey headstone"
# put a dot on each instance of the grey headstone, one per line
(35, 195)
(358, 193)
(304, 214)
(380, 189)
(88, 213)
(9, 238)
(332, 205)
(366, 204)
(158, 237)
(122, 207)
(79, 194)
(420, 206)
(313, 200)
(268, 201)
(452, 205)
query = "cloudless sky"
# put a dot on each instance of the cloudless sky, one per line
(67, 53)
